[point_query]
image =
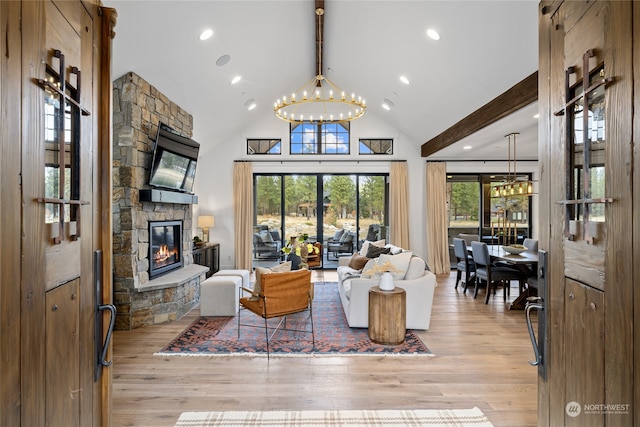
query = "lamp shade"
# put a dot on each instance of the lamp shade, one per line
(206, 221)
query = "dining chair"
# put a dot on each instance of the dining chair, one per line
(465, 263)
(492, 275)
(531, 244)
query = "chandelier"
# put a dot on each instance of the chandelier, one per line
(513, 185)
(319, 100)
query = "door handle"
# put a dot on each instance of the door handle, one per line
(107, 339)
(101, 347)
(533, 303)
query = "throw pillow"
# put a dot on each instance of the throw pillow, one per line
(346, 237)
(376, 251)
(393, 250)
(367, 270)
(400, 262)
(266, 236)
(257, 286)
(338, 235)
(366, 243)
(416, 269)
(357, 261)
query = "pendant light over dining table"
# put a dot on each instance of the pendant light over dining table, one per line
(319, 100)
(513, 185)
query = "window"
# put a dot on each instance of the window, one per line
(264, 146)
(320, 138)
(474, 209)
(376, 146)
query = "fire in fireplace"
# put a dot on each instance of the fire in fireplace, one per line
(165, 244)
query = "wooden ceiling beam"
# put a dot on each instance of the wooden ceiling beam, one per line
(515, 98)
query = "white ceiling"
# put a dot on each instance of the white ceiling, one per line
(486, 48)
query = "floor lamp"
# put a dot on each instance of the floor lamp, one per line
(206, 222)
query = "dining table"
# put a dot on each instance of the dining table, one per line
(526, 261)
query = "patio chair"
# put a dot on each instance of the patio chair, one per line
(265, 249)
(344, 245)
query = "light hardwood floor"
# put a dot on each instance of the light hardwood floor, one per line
(481, 354)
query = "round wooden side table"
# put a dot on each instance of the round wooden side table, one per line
(387, 316)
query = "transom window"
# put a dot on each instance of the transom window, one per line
(264, 146)
(376, 146)
(320, 138)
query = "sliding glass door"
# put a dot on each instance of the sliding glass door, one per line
(338, 210)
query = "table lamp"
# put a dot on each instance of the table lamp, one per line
(205, 222)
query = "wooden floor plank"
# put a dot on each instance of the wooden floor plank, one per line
(481, 354)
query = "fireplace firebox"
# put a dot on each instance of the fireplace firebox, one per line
(165, 247)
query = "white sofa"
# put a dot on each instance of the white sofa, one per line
(419, 283)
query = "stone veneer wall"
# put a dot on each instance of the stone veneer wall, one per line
(138, 108)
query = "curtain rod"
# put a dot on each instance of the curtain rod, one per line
(477, 160)
(317, 161)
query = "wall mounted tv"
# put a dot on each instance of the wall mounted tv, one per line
(174, 161)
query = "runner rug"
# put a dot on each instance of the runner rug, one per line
(350, 418)
(218, 336)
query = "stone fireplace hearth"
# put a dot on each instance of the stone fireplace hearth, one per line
(141, 300)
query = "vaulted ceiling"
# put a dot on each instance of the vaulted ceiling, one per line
(486, 47)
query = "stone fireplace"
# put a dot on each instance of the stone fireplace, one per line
(144, 295)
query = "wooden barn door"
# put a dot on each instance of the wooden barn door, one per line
(586, 193)
(64, 184)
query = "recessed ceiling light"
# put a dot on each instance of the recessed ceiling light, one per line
(386, 106)
(467, 147)
(236, 79)
(433, 34)
(223, 60)
(250, 104)
(206, 34)
(404, 80)
(535, 116)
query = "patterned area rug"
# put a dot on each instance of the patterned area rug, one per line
(352, 418)
(218, 336)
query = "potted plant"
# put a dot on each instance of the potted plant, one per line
(197, 242)
(297, 250)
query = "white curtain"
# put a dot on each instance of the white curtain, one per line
(436, 217)
(399, 205)
(243, 214)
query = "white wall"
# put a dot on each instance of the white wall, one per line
(214, 183)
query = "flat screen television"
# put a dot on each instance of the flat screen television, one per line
(174, 161)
